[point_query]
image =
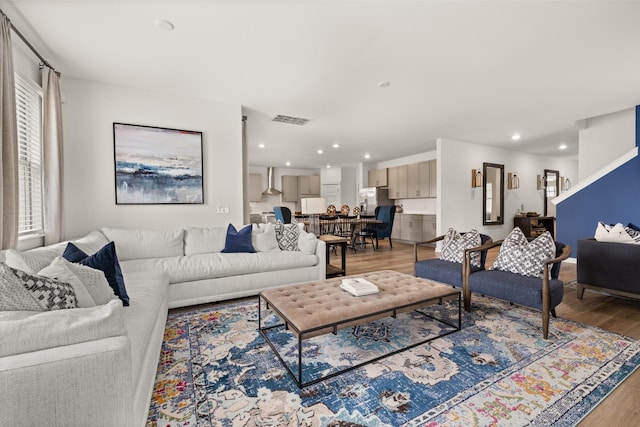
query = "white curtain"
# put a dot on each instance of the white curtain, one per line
(52, 155)
(8, 142)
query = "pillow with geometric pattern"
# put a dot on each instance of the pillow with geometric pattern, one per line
(454, 244)
(23, 291)
(287, 236)
(518, 255)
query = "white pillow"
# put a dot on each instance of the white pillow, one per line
(307, 242)
(141, 244)
(58, 270)
(263, 238)
(25, 262)
(92, 242)
(204, 240)
(617, 233)
(93, 280)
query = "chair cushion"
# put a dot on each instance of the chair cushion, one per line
(518, 289)
(441, 271)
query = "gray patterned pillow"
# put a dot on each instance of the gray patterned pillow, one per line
(25, 262)
(47, 293)
(454, 244)
(517, 255)
(287, 236)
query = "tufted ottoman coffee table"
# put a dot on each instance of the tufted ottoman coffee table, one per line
(316, 308)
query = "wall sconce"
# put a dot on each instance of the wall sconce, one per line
(513, 182)
(476, 178)
(565, 184)
(542, 183)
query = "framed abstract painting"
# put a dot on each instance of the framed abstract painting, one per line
(156, 165)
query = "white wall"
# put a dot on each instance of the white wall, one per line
(89, 111)
(460, 206)
(604, 139)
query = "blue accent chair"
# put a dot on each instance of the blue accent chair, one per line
(542, 294)
(283, 214)
(451, 273)
(386, 214)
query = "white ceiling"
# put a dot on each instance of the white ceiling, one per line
(474, 71)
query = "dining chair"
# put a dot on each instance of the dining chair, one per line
(283, 214)
(378, 231)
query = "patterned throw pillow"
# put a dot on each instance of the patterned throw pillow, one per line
(25, 262)
(287, 236)
(454, 244)
(46, 293)
(517, 255)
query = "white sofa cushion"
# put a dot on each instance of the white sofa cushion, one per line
(22, 331)
(207, 266)
(202, 240)
(140, 244)
(606, 233)
(263, 238)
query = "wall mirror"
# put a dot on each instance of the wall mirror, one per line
(551, 190)
(493, 194)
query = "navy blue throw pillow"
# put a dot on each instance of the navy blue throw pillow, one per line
(105, 260)
(633, 227)
(238, 241)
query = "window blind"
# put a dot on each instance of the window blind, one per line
(29, 117)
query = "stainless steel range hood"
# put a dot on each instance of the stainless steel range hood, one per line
(271, 189)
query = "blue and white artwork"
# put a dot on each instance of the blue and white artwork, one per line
(157, 165)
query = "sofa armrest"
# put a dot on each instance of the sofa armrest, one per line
(88, 383)
(321, 252)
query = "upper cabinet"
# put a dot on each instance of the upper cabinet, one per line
(289, 188)
(309, 185)
(416, 180)
(398, 182)
(255, 187)
(378, 178)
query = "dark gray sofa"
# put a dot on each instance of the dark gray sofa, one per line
(608, 266)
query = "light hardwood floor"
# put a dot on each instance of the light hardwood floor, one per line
(622, 407)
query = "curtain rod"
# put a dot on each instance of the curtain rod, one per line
(29, 45)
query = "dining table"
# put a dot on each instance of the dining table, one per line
(337, 225)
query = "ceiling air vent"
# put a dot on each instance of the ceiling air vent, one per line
(291, 120)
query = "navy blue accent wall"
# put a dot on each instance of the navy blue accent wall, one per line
(611, 199)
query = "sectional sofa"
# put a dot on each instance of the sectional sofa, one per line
(96, 366)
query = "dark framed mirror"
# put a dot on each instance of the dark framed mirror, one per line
(551, 190)
(493, 194)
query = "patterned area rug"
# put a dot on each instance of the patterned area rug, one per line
(216, 370)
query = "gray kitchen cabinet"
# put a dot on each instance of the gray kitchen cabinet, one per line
(255, 187)
(418, 180)
(378, 178)
(309, 186)
(411, 227)
(433, 178)
(289, 188)
(428, 227)
(397, 179)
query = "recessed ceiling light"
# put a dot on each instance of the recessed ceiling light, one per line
(515, 136)
(336, 145)
(367, 156)
(562, 146)
(288, 163)
(320, 151)
(163, 24)
(328, 166)
(261, 145)
(384, 84)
